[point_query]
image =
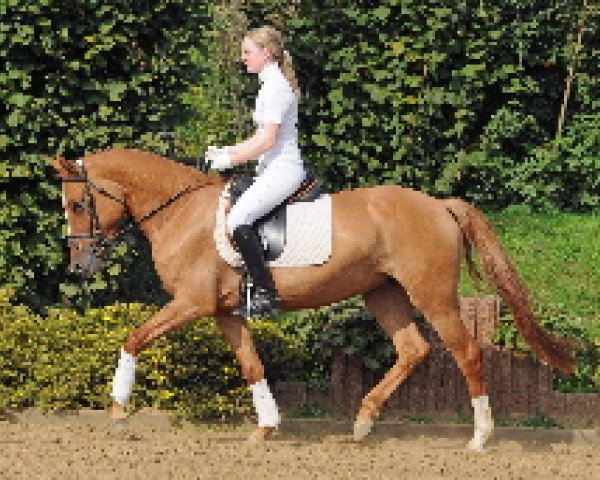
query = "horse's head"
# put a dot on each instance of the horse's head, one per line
(94, 207)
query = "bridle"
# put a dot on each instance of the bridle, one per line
(101, 242)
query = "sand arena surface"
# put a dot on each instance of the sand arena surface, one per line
(90, 452)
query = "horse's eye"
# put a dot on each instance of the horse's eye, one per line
(78, 207)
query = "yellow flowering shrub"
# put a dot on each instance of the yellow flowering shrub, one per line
(66, 360)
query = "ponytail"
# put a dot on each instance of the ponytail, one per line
(287, 69)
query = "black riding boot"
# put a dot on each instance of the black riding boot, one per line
(264, 300)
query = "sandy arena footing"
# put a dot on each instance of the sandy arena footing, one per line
(80, 446)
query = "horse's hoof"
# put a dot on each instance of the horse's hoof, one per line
(483, 432)
(261, 434)
(475, 445)
(8, 417)
(362, 428)
(118, 426)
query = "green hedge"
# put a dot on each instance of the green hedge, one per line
(458, 98)
(454, 98)
(67, 360)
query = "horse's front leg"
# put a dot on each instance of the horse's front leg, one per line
(240, 338)
(174, 315)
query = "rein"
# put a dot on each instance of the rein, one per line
(149, 215)
(102, 242)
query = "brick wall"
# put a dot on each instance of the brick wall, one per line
(516, 386)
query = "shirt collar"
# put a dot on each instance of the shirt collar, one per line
(268, 71)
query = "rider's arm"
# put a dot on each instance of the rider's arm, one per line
(262, 141)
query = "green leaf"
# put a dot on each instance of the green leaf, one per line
(116, 90)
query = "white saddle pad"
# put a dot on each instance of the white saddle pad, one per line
(308, 234)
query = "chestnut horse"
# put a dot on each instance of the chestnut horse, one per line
(398, 248)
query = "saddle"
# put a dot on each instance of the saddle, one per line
(271, 228)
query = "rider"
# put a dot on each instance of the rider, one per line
(280, 167)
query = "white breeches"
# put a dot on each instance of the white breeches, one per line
(271, 188)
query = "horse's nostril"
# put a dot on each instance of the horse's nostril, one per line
(76, 267)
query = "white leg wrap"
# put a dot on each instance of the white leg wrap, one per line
(124, 378)
(264, 403)
(484, 423)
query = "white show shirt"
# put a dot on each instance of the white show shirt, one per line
(280, 169)
(277, 103)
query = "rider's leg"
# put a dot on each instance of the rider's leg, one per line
(265, 299)
(269, 190)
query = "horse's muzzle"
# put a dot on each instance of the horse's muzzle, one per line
(87, 265)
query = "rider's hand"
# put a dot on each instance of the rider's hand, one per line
(218, 158)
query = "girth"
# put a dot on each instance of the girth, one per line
(271, 228)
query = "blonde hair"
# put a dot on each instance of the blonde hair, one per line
(271, 39)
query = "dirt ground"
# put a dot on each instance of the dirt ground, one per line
(71, 451)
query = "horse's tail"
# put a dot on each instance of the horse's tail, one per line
(479, 234)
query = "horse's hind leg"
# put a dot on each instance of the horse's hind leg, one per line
(392, 310)
(239, 336)
(439, 303)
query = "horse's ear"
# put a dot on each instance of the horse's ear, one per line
(64, 167)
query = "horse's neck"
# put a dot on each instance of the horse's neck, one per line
(149, 181)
